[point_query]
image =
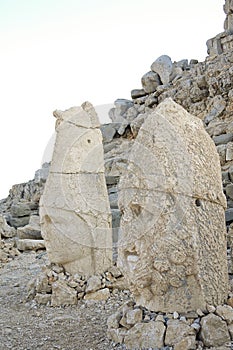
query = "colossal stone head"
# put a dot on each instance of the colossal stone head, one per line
(172, 248)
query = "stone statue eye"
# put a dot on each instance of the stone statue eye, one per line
(198, 202)
(89, 141)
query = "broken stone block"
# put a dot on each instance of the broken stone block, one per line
(172, 249)
(218, 105)
(122, 105)
(177, 331)
(228, 24)
(93, 284)
(62, 294)
(108, 132)
(229, 151)
(229, 215)
(74, 208)
(222, 139)
(6, 230)
(30, 244)
(42, 284)
(3, 256)
(18, 222)
(150, 81)
(102, 294)
(214, 331)
(117, 335)
(32, 230)
(43, 299)
(20, 209)
(41, 175)
(135, 93)
(225, 312)
(113, 321)
(163, 67)
(145, 335)
(187, 343)
(221, 149)
(133, 316)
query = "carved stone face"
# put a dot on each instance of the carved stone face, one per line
(170, 237)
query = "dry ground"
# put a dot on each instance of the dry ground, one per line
(26, 326)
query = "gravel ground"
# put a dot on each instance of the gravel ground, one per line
(26, 326)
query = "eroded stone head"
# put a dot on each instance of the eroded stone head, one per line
(173, 248)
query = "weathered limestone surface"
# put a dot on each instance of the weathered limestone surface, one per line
(30, 244)
(173, 246)
(6, 230)
(163, 67)
(74, 209)
(214, 331)
(150, 81)
(223, 42)
(228, 9)
(32, 230)
(145, 336)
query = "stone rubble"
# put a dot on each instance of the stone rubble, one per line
(8, 251)
(56, 287)
(148, 329)
(30, 244)
(23, 199)
(19, 217)
(32, 230)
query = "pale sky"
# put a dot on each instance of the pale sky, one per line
(56, 54)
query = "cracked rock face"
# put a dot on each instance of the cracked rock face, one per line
(173, 247)
(74, 209)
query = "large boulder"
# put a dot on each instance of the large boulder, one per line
(150, 82)
(214, 331)
(163, 67)
(32, 230)
(146, 335)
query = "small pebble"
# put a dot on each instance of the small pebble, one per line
(211, 308)
(200, 313)
(7, 331)
(182, 318)
(196, 326)
(147, 318)
(160, 318)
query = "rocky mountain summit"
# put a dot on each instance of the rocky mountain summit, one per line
(205, 90)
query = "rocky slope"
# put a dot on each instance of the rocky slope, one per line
(205, 89)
